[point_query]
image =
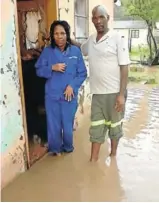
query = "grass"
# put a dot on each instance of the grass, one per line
(149, 76)
(140, 52)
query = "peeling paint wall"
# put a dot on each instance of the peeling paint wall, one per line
(66, 12)
(12, 131)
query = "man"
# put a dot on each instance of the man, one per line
(108, 62)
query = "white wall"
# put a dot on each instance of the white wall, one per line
(142, 40)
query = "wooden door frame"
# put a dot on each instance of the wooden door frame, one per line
(22, 96)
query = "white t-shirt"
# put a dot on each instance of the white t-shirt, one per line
(105, 58)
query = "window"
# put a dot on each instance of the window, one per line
(81, 20)
(134, 33)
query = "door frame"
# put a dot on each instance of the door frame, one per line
(19, 65)
(22, 96)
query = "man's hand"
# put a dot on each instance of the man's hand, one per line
(75, 43)
(120, 103)
(59, 67)
(69, 93)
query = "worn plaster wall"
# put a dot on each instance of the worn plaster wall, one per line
(12, 131)
(66, 12)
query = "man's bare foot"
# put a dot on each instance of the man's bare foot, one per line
(93, 159)
(112, 154)
(114, 146)
(95, 152)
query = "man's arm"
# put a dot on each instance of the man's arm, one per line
(123, 79)
(123, 61)
(76, 43)
(83, 46)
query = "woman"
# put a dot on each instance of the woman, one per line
(63, 66)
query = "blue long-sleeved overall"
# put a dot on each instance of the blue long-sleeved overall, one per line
(60, 113)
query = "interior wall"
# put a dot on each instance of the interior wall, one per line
(23, 7)
(48, 13)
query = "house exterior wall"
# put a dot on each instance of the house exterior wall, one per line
(142, 40)
(13, 153)
(66, 12)
(124, 32)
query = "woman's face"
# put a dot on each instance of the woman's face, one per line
(60, 36)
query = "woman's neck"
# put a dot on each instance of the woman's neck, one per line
(62, 48)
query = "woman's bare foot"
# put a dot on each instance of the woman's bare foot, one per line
(55, 154)
(58, 154)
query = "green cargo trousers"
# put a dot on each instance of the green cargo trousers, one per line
(105, 118)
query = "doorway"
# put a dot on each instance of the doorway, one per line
(34, 20)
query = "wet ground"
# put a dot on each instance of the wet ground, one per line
(132, 176)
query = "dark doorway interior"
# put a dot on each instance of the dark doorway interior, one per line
(32, 41)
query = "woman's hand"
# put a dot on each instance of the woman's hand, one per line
(59, 67)
(69, 93)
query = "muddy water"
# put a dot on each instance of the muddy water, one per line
(139, 156)
(132, 176)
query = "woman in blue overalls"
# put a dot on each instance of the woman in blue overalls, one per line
(63, 66)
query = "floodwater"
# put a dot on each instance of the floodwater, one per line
(132, 176)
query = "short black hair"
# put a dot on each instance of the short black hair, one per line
(66, 27)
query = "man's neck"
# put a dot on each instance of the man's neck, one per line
(100, 35)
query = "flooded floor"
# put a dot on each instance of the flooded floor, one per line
(132, 176)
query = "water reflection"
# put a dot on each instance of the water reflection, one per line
(139, 157)
(132, 104)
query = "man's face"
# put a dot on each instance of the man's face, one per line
(100, 20)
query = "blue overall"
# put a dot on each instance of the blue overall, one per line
(61, 113)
